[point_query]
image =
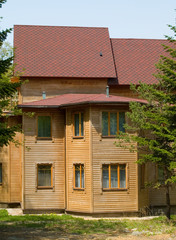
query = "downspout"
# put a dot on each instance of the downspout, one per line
(22, 163)
(9, 173)
(91, 160)
(65, 157)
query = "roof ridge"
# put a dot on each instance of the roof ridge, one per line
(148, 39)
(55, 26)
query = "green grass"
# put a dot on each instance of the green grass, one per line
(74, 225)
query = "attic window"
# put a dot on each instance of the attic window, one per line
(101, 54)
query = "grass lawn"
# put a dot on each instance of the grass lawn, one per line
(67, 224)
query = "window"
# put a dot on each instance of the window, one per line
(79, 176)
(44, 126)
(44, 176)
(112, 123)
(142, 168)
(114, 176)
(78, 124)
(0, 173)
(160, 175)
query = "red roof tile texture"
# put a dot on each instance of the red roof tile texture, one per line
(135, 59)
(52, 51)
(75, 99)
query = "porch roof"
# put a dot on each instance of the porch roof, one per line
(67, 100)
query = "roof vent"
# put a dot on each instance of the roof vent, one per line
(44, 95)
(101, 54)
(107, 91)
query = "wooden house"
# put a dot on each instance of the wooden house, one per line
(78, 90)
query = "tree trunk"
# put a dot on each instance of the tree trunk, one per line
(168, 206)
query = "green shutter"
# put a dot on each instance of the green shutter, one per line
(44, 126)
(160, 175)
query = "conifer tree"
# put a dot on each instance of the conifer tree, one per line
(155, 121)
(7, 91)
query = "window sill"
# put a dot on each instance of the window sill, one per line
(79, 189)
(78, 137)
(114, 189)
(44, 138)
(111, 136)
(39, 188)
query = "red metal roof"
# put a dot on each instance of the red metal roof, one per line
(135, 59)
(76, 99)
(52, 51)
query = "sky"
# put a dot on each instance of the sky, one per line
(124, 18)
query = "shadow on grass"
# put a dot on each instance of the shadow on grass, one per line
(66, 224)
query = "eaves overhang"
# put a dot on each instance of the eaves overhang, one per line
(73, 104)
(68, 100)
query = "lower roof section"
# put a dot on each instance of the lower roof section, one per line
(135, 59)
(67, 100)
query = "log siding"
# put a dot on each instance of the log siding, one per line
(105, 152)
(44, 152)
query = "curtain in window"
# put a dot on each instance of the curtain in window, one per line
(122, 176)
(76, 124)
(121, 121)
(82, 124)
(105, 123)
(77, 176)
(114, 176)
(44, 126)
(105, 176)
(82, 176)
(113, 123)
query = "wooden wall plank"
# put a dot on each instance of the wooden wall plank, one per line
(44, 151)
(105, 152)
(78, 152)
(32, 90)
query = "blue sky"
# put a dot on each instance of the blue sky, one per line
(124, 18)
